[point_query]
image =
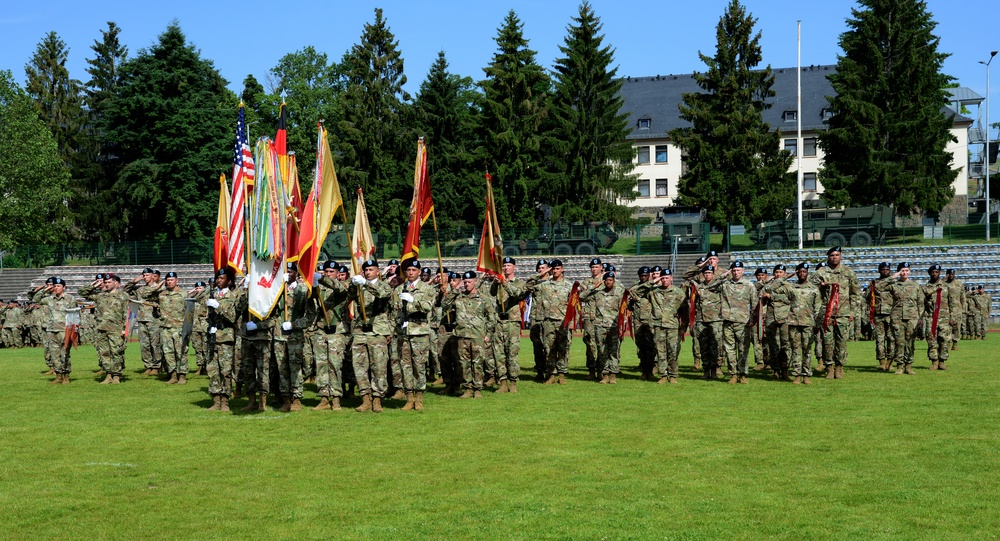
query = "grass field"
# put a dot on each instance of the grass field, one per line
(872, 456)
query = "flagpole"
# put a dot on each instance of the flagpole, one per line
(350, 244)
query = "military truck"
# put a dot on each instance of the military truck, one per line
(337, 248)
(685, 226)
(558, 238)
(851, 226)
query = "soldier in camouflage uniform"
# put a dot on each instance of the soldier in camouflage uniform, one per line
(12, 327)
(589, 314)
(985, 302)
(475, 314)
(112, 311)
(805, 306)
(434, 354)
(879, 302)
(666, 302)
(333, 338)
(708, 316)
(739, 297)
(777, 306)
(224, 318)
(939, 308)
(605, 298)
(641, 323)
(535, 333)
(761, 351)
(372, 332)
(149, 326)
(552, 291)
(199, 328)
(414, 302)
(31, 318)
(297, 314)
(956, 289)
(907, 304)
(508, 295)
(55, 302)
(170, 300)
(835, 273)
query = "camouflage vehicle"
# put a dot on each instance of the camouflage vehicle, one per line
(559, 238)
(851, 226)
(337, 248)
(686, 227)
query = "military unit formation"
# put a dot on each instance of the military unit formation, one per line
(389, 333)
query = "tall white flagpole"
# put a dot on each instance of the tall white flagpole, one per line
(798, 137)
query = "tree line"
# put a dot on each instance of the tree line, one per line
(135, 152)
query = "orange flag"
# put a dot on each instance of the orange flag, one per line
(421, 206)
(490, 244)
(220, 252)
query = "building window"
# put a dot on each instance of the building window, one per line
(809, 146)
(789, 116)
(809, 182)
(661, 153)
(643, 155)
(643, 188)
(826, 113)
(661, 187)
(791, 145)
(644, 123)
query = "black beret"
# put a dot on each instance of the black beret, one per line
(147, 270)
(425, 270)
(343, 268)
(609, 275)
(656, 268)
(708, 268)
(330, 264)
(666, 272)
(222, 272)
(595, 261)
(736, 264)
(711, 253)
(59, 282)
(393, 262)
(778, 267)
(541, 262)
(171, 274)
(833, 249)
(156, 272)
(412, 263)
(454, 275)
(100, 276)
(802, 265)
(612, 268)
(369, 263)
(821, 264)
(760, 270)
(199, 284)
(702, 259)
(556, 263)
(903, 265)
(291, 266)
(883, 265)
(934, 267)
(469, 275)
(50, 280)
(509, 259)
(643, 270)
(605, 266)
(950, 271)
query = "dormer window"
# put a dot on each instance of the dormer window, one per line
(826, 113)
(790, 116)
(644, 123)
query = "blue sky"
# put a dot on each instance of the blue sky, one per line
(650, 38)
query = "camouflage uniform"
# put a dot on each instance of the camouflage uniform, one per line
(708, 320)
(172, 305)
(112, 311)
(225, 319)
(54, 310)
(804, 310)
(199, 330)
(149, 326)
(665, 306)
(835, 338)
(605, 304)
(938, 346)
(761, 351)
(885, 346)
(255, 355)
(777, 311)
(413, 340)
(12, 329)
(642, 318)
(552, 297)
(371, 337)
(588, 317)
(287, 345)
(331, 345)
(738, 301)
(475, 314)
(906, 306)
(956, 289)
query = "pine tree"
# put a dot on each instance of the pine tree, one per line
(56, 96)
(515, 105)
(736, 169)
(888, 135)
(592, 157)
(376, 146)
(171, 122)
(445, 111)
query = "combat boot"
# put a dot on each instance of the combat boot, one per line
(839, 372)
(758, 367)
(477, 394)
(954, 346)
(512, 386)
(418, 402)
(115, 380)
(604, 379)
(49, 372)
(673, 380)
(734, 380)
(251, 405)
(551, 380)
(438, 381)
(100, 372)
(562, 379)
(216, 403)
(820, 367)
(934, 365)
(806, 380)
(262, 405)
(796, 380)
(409, 402)
(224, 404)
(286, 405)
(377, 405)
(467, 393)
(909, 370)
(697, 364)
(593, 375)
(366, 403)
(490, 382)
(154, 371)
(56, 381)
(830, 371)
(613, 380)
(182, 380)
(399, 395)
(899, 369)
(65, 380)
(173, 378)
(881, 364)
(296, 404)
(662, 380)
(503, 386)
(743, 380)
(335, 404)
(145, 372)
(324, 404)
(107, 380)
(941, 366)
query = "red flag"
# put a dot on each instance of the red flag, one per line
(243, 176)
(293, 208)
(491, 243)
(421, 206)
(281, 143)
(935, 316)
(573, 312)
(220, 248)
(624, 316)
(324, 200)
(832, 306)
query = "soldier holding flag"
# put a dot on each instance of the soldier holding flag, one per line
(55, 304)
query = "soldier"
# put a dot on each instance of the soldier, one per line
(224, 313)
(414, 303)
(552, 295)
(666, 302)
(804, 310)
(985, 306)
(199, 329)
(588, 316)
(371, 335)
(761, 355)
(708, 315)
(12, 328)
(434, 349)
(112, 310)
(143, 289)
(879, 302)
(841, 294)
(509, 293)
(907, 304)
(330, 336)
(738, 300)
(255, 355)
(171, 304)
(956, 289)
(639, 305)
(55, 302)
(606, 298)
(535, 332)
(297, 314)
(939, 308)
(475, 314)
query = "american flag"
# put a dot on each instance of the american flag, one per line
(243, 174)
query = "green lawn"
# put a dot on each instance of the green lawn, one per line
(871, 456)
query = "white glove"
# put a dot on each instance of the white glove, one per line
(317, 276)
(212, 330)
(251, 326)
(212, 303)
(408, 297)
(286, 326)
(293, 285)
(358, 279)
(284, 277)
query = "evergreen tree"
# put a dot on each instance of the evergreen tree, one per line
(736, 169)
(445, 111)
(888, 134)
(592, 157)
(171, 122)
(377, 148)
(515, 105)
(33, 180)
(56, 96)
